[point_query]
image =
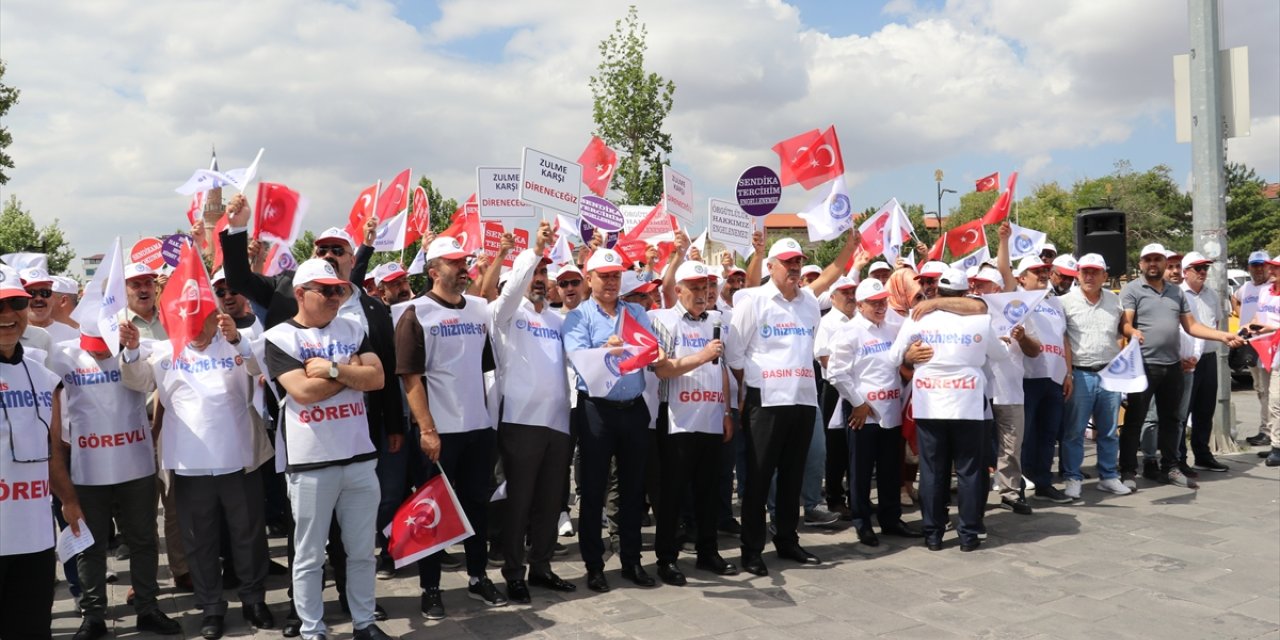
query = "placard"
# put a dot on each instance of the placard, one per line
(550, 182)
(759, 191)
(587, 232)
(171, 248)
(601, 214)
(632, 214)
(677, 194)
(728, 224)
(498, 194)
(148, 252)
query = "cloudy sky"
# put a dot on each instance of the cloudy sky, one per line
(121, 100)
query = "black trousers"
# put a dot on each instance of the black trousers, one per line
(26, 595)
(688, 459)
(944, 443)
(874, 451)
(777, 441)
(1164, 384)
(534, 460)
(611, 429)
(837, 447)
(1204, 399)
(205, 499)
(467, 459)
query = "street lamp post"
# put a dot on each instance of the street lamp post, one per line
(937, 177)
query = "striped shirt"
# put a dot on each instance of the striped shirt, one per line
(1092, 328)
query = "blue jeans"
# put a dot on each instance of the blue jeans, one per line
(1043, 406)
(1090, 400)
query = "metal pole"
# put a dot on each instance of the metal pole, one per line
(1208, 195)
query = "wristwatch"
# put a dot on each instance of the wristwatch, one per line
(333, 371)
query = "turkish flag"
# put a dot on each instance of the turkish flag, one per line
(196, 208)
(989, 183)
(598, 164)
(1266, 347)
(218, 228)
(1000, 210)
(361, 211)
(872, 232)
(631, 250)
(278, 215)
(468, 207)
(394, 198)
(819, 161)
(966, 238)
(641, 344)
(430, 520)
(468, 231)
(419, 218)
(187, 299)
(657, 223)
(789, 151)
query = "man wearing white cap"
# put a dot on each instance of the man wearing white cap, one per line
(1063, 275)
(880, 271)
(770, 351)
(44, 298)
(322, 365)
(616, 424)
(836, 448)
(1267, 320)
(928, 278)
(31, 468)
(1095, 321)
(861, 369)
(1154, 312)
(1048, 253)
(392, 282)
(66, 292)
(442, 354)
(1244, 303)
(693, 422)
(810, 272)
(1201, 398)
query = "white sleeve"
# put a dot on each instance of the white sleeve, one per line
(844, 354)
(739, 333)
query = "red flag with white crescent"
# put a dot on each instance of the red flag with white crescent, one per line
(966, 238)
(789, 151)
(361, 211)
(640, 343)
(395, 197)
(989, 183)
(279, 212)
(430, 520)
(1000, 210)
(598, 164)
(468, 231)
(187, 299)
(820, 161)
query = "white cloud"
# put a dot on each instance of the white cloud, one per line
(121, 100)
(1261, 149)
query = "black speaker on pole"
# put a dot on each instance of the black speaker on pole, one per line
(1101, 230)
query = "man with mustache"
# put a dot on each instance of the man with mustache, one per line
(44, 299)
(392, 282)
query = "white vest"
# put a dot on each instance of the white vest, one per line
(26, 522)
(531, 360)
(206, 399)
(861, 366)
(454, 341)
(1049, 324)
(952, 384)
(695, 400)
(775, 337)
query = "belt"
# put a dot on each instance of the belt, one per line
(1093, 369)
(617, 404)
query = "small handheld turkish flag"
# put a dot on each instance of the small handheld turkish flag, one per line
(361, 211)
(1000, 210)
(278, 215)
(640, 343)
(989, 183)
(187, 300)
(420, 218)
(430, 520)
(598, 164)
(966, 238)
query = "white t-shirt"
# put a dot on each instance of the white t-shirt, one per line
(1247, 295)
(863, 370)
(951, 385)
(771, 341)
(1269, 314)
(26, 522)
(529, 353)
(60, 332)
(1048, 322)
(695, 400)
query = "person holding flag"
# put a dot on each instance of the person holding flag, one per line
(1266, 320)
(1244, 305)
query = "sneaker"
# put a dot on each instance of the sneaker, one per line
(1176, 478)
(1130, 480)
(1112, 485)
(1187, 470)
(559, 550)
(566, 525)
(1072, 489)
(819, 517)
(449, 562)
(1259, 440)
(386, 567)
(1051, 494)
(485, 591)
(432, 604)
(1151, 469)
(1211, 464)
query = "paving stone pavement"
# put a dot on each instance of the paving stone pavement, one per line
(1161, 563)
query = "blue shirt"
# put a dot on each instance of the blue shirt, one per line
(589, 327)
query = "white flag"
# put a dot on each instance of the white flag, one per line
(1125, 374)
(390, 234)
(240, 178)
(1024, 242)
(899, 226)
(598, 368)
(419, 264)
(203, 180)
(700, 244)
(561, 254)
(972, 260)
(831, 215)
(104, 299)
(25, 260)
(1008, 310)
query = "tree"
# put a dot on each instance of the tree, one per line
(1253, 221)
(629, 107)
(8, 98)
(304, 246)
(18, 233)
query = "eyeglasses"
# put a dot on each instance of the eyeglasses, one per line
(40, 293)
(328, 290)
(13, 446)
(223, 292)
(1202, 268)
(564, 284)
(335, 250)
(17, 304)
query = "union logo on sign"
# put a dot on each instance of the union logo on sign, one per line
(1023, 243)
(1015, 311)
(613, 364)
(1120, 366)
(840, 207)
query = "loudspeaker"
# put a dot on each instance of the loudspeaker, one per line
(1102, 231)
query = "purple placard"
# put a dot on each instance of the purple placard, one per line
(759, 191)
(172, 248)
(587, 232)
(601, 213)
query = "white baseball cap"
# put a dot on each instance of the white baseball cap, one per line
(1066, 265)
(631, 283)
(1091, 261)
(1259, 257)
(65, 285)
(785, 249)
(316, 270)
(387, 272)
(1048, 246)
(605, 261)
(1029, 263)
(1194, 258)
(334, 233)
(932, 269)
(953, 280)
(692, 270)
(810, 268)
(11, 283)
(845, 282)
(138, 270)
(870, 289)
(446, 247)
(988, 274)
(732, 269)
(879, 266)
(569, 269)
(35, 275)
(219, 276)
(1153, 249)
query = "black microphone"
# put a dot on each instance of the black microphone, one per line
(715, 335)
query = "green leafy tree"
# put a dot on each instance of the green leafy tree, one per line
(18, 233)
(304, 246)
(1253, 221)
(629, 107)
(8, 98)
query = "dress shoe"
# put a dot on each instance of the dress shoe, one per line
(717, 565)
(670, 574)
(636, 574)
(91, 629)
(754, 565)
(933, 545)
(868, 537)
(1017, 505)
(156, 621)
(596, 581)
(551, 581)
(183, 583)
(970, 546)
(798, 554)
(371, 632)
(292, 623)
(901, 530)
(1273, 460)
(211, 627)
(518, 592)
(1259, 439)
(259, 616)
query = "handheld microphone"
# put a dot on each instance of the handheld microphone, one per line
(715, 335)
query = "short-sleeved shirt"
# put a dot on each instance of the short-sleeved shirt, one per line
(1207, 311)
(1092, 328)
(1158, 315)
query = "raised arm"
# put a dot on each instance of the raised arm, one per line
(834, 270)
(235, 255)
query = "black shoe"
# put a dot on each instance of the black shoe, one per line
(259, 616)
(1151, 470)
(558, 550)
(933, 545)
(485, 591)
(754, 565)
(277, 569)
(211, 627)
(449, 562)
(1052, 494)
(868, 537)
(386, 568)
(670, 574)
(637, 574)
(717, 565)
(156, 621)
(1211, 464)
(970, 546)
(371, 632)
(902, 530)
(91, 629)
(292, 623)
(1273, 460)
(432, 604)
(798, 554)
(518, 592)
(731, 527)
(596, 581)
(1187, 470)
(1259, 439)
(379, 613)
(551, 581)
(1017, 505)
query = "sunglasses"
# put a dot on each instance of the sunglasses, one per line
(40, 293)
(564, 284)
(335, 250)
(328, 290)
(16, 304)
(223, 292)
(1202, 268)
